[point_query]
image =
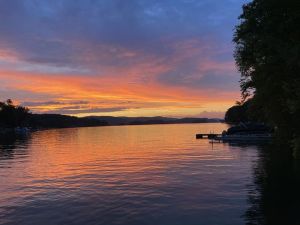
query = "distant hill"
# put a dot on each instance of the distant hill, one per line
(12, 116)
(150, 120)
(61, 121)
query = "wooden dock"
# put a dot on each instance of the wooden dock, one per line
(207, 136)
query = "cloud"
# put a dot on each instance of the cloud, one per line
(53, 103)
(171, 53)
(108, 30)
(78, 110)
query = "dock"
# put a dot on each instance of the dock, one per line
(244, 132)
(251, 138)
(207, 136)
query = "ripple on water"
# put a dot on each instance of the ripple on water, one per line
(156, 174)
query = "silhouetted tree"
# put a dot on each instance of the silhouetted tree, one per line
(12, 115)
(236, 114)
(246, 111)
(267, 55)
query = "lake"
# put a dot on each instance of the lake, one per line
(136, 175)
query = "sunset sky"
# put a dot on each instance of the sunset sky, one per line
(120, 57)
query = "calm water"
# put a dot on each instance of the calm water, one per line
(135, 175)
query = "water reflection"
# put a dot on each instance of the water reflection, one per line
(11, 144)
(139, 175)
(275, 195)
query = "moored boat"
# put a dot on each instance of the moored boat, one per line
(21, 130)
(243, 138)
(245, 132)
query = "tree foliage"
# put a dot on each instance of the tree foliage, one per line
(238, 113)
(268, 57)
(246, 111)
(12, 115)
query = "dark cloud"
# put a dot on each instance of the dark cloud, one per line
(210, 80)
(79, 110)
(140, 43)
(59, 32)
(45, 103)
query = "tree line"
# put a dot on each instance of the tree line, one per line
(267, 54)
(12, 116)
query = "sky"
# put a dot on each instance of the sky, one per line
(120, 57)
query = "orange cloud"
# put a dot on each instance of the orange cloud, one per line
(132, 88)
(112, 92)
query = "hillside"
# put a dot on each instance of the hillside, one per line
(150, 120)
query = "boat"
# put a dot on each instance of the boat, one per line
(245, 132)
(21, 130)
(244, 138)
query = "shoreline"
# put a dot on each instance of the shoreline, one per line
(5, 131)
